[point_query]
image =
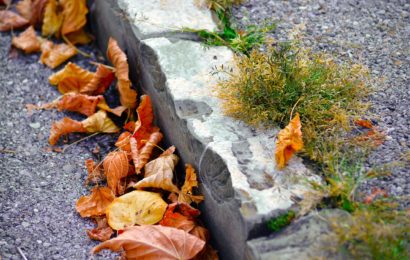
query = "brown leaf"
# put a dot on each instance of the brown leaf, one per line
(10, 20)
(52, 19)
(289, 141)
(71, 78)
(208, 253)
(63, 127)
(128, 96)
(96, 203)
(154, 242)
(116, 167)
(55, 54)
(32, 10)
(144, 127)
(74, 13)
(159, 173)
(82, 104)
(145, 152)
(27, 41)
(101, 80)
(123, 142)
(23, 7)
(190, 182)
(102, 232)
(95, 172)
(79, 37)
(181, 216)
(100, 122)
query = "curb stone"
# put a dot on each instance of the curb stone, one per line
(235, 162)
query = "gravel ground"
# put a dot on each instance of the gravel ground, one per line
(38, 189)
(375, 33)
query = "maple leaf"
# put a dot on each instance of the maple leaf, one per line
(181, 216)
(100, 122)
(10, 20)
(71, 78)
(123, 142)
(27, 41)
(190, 182)
(55, 54)
(289, 141)
(141, 157)
(101, 80)
(102, 232)
(96, 203)
(128, 96)
(159, 172)
(63, 127)
(116, 167)
(95, 172)
(52, 19)
(136, 207)
(154, 242)
(74, 13)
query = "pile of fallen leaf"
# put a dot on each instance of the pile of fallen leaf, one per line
(148, 215)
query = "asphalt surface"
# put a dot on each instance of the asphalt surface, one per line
(38, 188)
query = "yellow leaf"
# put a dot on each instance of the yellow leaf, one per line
(102, 104)
(79, 37)
(96, 203)
(190, 182)
(289, 141)
(136, 207)
(55, 54)
(27, 41)
(74, 13)
(52, 20)
(100, 122)
(71, 79)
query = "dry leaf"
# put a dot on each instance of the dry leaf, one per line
(130, 126)
(63, 127)
(82, 104)
(96, 203)
(116, 111)
(71, 78)
(100, 122)
(364, 123)
(159, 173)
(145, 112)
(32, 10)
(10, 20)
(123, 142)
(289, 141)
(23, 7)
(52, 20)
(102, 232)
(208, 253)
(79, 37)
(190, 182)
(27, 41)
(115, 168)
(181, 216)
(128, 96)
(136, 207)
(145, 152)
(74, 13)
(95, 172)
(101, 80)
(55, 54)
(154, 242)
(376, 192)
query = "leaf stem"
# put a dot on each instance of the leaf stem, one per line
(78, 141)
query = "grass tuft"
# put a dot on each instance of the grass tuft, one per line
(281, 221)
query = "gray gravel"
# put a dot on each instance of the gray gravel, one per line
(38, 189)
(375, 33)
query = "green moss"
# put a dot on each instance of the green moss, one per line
(281, 221)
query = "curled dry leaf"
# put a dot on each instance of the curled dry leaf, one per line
(99, 83)
(100, 122)
(96, 203)
(32, 10)
(95, 172)
(190, 182)
(82, 104)
(364, 123)
(55, 54)
(128, 96)
(74, 13)
(63, 127)
(154, 242)
(52, 19)
(145, 152)
(24, 8)
(27, 41)
(10, 20)
(181, 216)
(159, 173)
(102, 232)
(289, 141)
(71, 78)
(144, 127)
(116, 168)
(123, 142)
(136, 207)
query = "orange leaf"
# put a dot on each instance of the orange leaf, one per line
(32, 10)
(27, 41)
(123, 142)
(99, 122)
(52, 19)
(24, 9)
(55, 54)
(180, 218)
(154, 242)
(74, 13)
(159, 173)
(190, 182)
(102, 232)
(101, 80)
(145, 112)
(95, 172)
(364, 123)
(96, 203)
(116, 167)
(130, 126)
(71, 78)
(63, 127)
(375, 193)
(145, 153)
(10, 20)
(128, 96)
(82, 104)
(289, 141)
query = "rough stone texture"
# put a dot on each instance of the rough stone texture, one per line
(235, 162)
(309, 237)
